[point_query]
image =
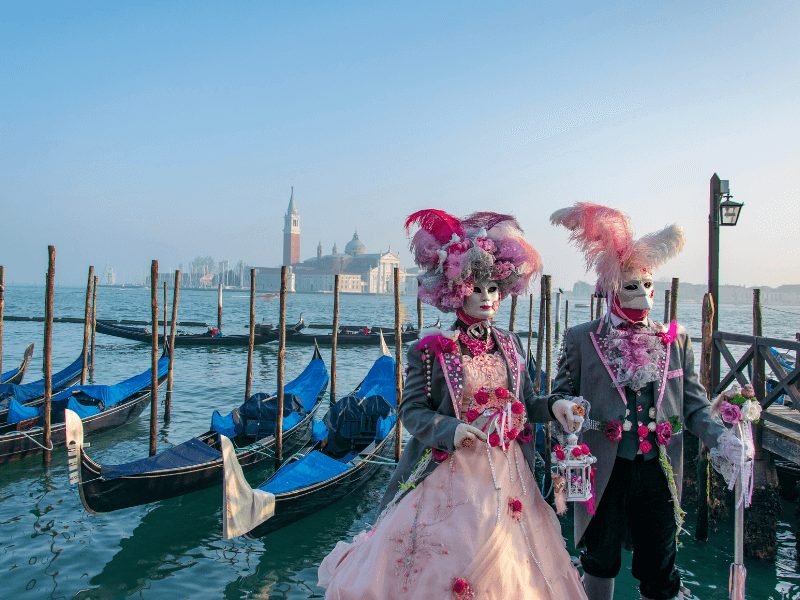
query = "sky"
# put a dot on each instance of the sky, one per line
(170, 130)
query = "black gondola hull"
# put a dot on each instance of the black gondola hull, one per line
(19, 444)
(200, 339)
(100, 495)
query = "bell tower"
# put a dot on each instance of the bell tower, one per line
(291, 234)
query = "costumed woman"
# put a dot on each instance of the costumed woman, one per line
(639, 377)
(462, 516)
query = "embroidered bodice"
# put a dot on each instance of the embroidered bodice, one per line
(487, 371)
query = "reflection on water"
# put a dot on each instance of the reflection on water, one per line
(50, 547)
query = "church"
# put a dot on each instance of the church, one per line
(359, 271)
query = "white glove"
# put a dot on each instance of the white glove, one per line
(467, 435)
(734, 451)
(563, 412)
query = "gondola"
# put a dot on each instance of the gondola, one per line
(101, 407)
(15, 376)
(354, 441)
(32, 394)
(197, 463)
(140, 334)
(353, 335)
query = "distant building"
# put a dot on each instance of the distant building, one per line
(291, 234)
(358, 270)
(268, 279)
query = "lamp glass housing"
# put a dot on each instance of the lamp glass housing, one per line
(729, 212)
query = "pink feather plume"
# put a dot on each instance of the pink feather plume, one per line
(438, 223)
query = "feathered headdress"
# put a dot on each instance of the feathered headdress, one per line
(455, 253)
(605, 236)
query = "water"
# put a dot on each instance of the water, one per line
(51, 548)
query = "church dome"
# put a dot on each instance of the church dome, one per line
(355, 246)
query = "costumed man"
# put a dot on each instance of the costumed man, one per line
(639, 376)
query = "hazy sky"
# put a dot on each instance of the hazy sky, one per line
(140, 130)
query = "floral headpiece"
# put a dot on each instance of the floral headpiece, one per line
(456, 253)
(605, 236)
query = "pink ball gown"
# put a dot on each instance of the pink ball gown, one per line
(476, 528)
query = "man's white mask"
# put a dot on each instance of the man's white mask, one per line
(637, 290)
(484, 301)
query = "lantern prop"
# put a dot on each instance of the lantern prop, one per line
(571, 471)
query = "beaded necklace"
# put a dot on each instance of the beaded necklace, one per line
(475, 346)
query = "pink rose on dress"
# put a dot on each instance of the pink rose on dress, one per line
(518, 408)
(642, 431)
(645, 446)
(494, 439)
(663, 433)
(471, 415)
(512, 434)
(730, 413)
(515, 506)
(501, 393)
(481, 396)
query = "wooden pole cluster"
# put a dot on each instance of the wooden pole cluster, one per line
(173, 326)
(673, 300)
(281, 360)
(87, 326)
(513, 317)
(94, 326)
(398, 365)
(48, 351)
(703, 498)
(252, 341)
(219, 308)
(334, 336)
(154, 357)
(2, 308)
(530, 326)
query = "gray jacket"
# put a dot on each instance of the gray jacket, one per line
(582, 372)
(432, 421)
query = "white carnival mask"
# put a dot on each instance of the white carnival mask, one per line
(637, 290)
(484, 301)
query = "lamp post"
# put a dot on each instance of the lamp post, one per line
(720, 214)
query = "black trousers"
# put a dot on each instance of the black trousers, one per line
(636, 501)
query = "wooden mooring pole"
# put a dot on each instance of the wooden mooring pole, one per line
(87, 327)
(666, 305)
(94, 326)
(173, 326)
(334, 336)
(537, 373)
(558, 317)
(219, 309)
(48, 353)
(513, 316)
(420, 320)
(761, 521)
(702, 471)
(251, 343)
(591, 307)
(548, 337)
(281, 360)
(673, 299)
(154, 357)
(398, 366)
(566, 316)
(530, 326)
(600, 308)
(165, 315)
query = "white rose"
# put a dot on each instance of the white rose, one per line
(652, 413)
(751, 410)
(627, 412)
(626, 425)
(651, 426)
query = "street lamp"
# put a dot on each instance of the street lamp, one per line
(729, 212)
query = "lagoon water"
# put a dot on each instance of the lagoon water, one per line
(50, 547)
